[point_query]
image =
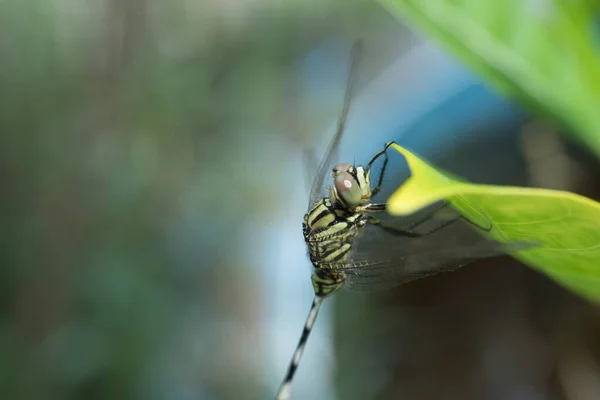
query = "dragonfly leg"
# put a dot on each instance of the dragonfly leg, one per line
(372, 207)
(390, 229)
(408, 232)
(381, 207)
(476, 225)
(444, 204)
(382, 173)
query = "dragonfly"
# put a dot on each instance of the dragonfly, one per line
(350, 245)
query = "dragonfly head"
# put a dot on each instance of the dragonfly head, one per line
(352, 185)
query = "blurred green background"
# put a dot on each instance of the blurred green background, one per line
(153, 192)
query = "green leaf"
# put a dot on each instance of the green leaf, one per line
(565, 224)
(542, 52)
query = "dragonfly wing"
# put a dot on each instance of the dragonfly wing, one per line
(387, 275)
(382, 259)
(318, 189)
(310, 162)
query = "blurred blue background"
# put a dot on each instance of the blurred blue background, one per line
(154, 188)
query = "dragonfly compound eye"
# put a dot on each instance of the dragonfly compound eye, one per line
(347, 189)
(341, 167)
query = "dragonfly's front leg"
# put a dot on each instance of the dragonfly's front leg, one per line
(443, 204)
(383, 168)
(380, 207)
(390, 229)
(372, 207)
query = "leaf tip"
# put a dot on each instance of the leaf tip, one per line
(425, 186)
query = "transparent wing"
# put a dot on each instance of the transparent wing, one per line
(317, 191)
(310, 162)
(379, 259)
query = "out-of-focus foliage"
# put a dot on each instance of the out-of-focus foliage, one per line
(562, 225)
(145, 154)
(149, 156)
(543, 52)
